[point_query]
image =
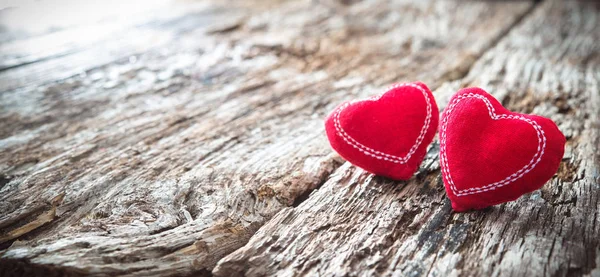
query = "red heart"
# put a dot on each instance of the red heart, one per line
(490, 155)
(386, 135)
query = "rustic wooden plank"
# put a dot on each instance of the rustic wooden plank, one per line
(21, 20)
(78, 36)
(358, 224)
(52, 58)
(165, 164)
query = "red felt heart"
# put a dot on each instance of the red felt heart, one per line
(490, 155)
(386, 135)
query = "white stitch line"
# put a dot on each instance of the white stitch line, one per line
(378, 154)
(530, 166)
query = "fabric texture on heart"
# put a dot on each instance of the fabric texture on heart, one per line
(490, 155)
(386, 135)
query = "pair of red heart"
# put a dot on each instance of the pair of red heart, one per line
(488, 154)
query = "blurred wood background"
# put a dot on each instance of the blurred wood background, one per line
(185, 138)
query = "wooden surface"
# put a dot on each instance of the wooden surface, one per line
(190, 141)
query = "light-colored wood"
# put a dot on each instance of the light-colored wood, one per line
(358, 224)
(66, 29)
(169, 161)
(57, 56)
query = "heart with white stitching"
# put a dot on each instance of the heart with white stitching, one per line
(490, 155)
(386, 135)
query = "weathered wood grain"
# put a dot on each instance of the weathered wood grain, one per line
(358, 224)
(42, 60)
(57, 40)
(163, 163)
(23, 20)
